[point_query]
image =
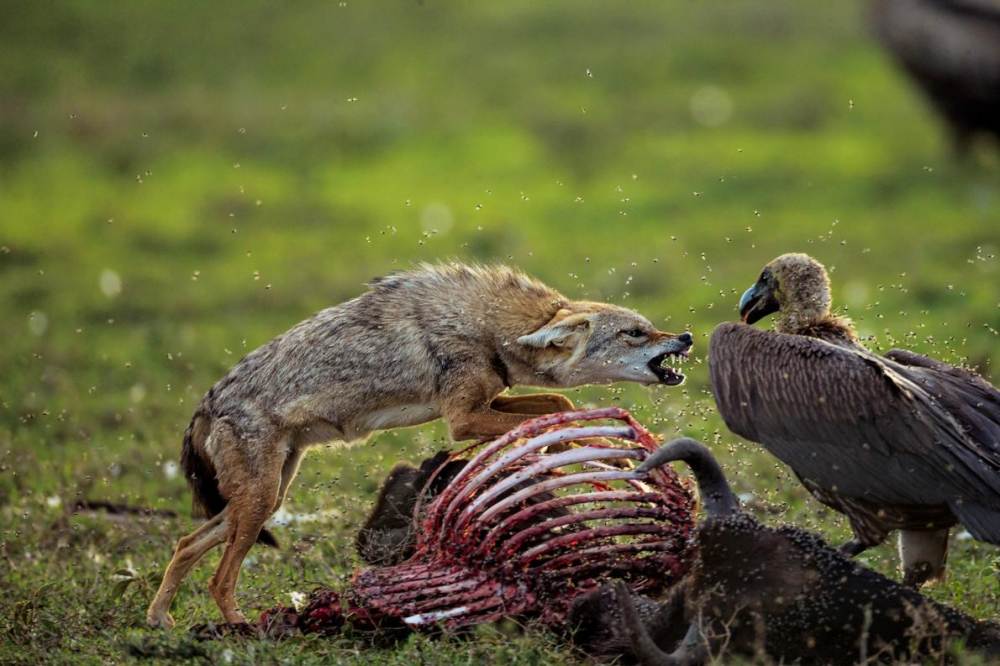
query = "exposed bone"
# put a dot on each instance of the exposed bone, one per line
(499, 540)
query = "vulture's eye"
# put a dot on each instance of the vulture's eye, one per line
(635, 333)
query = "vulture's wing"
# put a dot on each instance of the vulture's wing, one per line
(970, 399)
(855, 423)
(949, 46)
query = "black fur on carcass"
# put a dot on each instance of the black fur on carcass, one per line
(388, 537)
(779, 594)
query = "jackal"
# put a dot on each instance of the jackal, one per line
(437, 341)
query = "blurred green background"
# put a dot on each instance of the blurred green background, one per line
(180, 182)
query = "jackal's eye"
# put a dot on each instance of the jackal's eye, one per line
(635, 333)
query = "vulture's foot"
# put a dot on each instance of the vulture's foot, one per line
(918, 574)
(853, 548)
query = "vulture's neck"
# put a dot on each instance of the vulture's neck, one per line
(828, 327)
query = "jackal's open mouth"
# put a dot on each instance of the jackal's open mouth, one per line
(668, 375)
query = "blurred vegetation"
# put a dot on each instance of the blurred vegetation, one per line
(180, 182)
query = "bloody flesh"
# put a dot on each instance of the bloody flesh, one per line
(522, 532)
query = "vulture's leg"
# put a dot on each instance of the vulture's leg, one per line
(853, 548)
(923, 555)
(866, 535)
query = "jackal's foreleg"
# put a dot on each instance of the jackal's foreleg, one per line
(484, 423)
(535, 403)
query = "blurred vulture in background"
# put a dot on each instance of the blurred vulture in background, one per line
(901, 442)
(951, 48)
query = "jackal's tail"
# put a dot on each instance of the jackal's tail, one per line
(200, 474)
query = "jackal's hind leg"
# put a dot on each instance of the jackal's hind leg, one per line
(247, 514)
(189, 550)
(253, 498)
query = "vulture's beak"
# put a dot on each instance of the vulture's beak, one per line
(757, 302)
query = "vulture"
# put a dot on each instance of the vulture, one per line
(951, 49)
(896, 442)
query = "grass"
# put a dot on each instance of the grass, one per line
(181, 182)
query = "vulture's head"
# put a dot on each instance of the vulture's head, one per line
(794, 285)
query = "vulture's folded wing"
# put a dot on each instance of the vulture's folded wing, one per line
(973, 401)
(848, 420)
(952, 48)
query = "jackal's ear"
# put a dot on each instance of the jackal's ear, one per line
(562, 331)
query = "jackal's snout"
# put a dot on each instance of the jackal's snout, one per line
(672, 347)
(601, 343)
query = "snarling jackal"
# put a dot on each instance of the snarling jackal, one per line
(438, 341)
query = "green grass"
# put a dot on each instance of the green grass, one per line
(226, 169)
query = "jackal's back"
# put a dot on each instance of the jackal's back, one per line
(392, 345)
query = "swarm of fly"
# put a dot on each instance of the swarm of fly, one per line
(524, 528)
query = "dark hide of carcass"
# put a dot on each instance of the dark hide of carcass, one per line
(389, 535)
(779, 595)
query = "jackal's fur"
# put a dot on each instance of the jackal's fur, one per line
(437, 341)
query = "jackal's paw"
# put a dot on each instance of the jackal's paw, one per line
(159, 619)
(234, 617)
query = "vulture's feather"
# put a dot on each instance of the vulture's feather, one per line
(896, 430)
(951, 49)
